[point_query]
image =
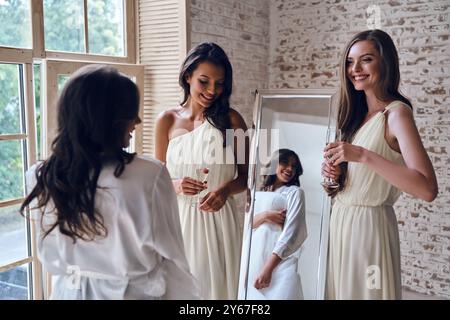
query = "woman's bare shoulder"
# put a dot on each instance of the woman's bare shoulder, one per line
(168, 117)
(169, 114)
(400, 113)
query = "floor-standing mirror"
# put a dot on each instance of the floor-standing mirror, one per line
(293, 120)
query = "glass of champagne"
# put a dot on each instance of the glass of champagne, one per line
(333, 135)
(201, 174)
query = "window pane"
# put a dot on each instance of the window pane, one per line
(62, 78)
(14, 283)
(12, 235)
(105, 27)
(9, 99)
(37, 108)
(64, 25)
(11, 170)
(16, 23)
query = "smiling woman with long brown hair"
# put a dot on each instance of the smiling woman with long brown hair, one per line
(380, 156)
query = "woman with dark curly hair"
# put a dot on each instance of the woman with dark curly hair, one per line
(107, 220)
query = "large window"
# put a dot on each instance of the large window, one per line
(92, 26)
(15, 255)
(42, 42)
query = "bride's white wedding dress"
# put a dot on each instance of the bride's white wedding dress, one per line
(269, 238)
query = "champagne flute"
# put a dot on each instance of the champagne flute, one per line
(201, 174)
(333, 135)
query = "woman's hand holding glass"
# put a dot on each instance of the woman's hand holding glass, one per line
(189, 186)
(329, 171)
(333, 136)
(338, 152)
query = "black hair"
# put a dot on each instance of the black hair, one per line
(218, 112)
(281, 156)
(95, 108)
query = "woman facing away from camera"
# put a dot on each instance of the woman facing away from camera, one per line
(108, 224)
(279, 230)
(381, 155)
(194, 140)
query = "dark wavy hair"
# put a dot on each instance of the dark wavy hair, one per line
(218, 112)
(95, 107)
(281, 156)
(352, 103)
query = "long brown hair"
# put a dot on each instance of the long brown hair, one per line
(95, 108)
(218, 113)
(352, 103)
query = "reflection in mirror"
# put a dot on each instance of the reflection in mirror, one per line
(285, 239)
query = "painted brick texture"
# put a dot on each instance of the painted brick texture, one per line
(306, 40)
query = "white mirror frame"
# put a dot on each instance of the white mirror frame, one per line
(254, 150)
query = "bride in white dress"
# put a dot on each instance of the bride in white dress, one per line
(279, 230)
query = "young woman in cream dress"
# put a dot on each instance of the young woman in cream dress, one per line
(381, 155)
(192, 137)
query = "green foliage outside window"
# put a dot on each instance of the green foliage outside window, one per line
(15, 30)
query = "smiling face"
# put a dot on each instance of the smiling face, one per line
(363, 66)
(286, 170)
(206, 84)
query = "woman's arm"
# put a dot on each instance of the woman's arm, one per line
(241, 153)
(216, 199)
(271, 216)
(294, 230)
(265, 276)
(291, 238)
(164, 122)
(416, 178)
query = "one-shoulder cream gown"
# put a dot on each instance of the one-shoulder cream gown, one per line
(364, 249)
(212, 240)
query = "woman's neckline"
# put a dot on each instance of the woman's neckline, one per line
(188, 131)
(374, 115)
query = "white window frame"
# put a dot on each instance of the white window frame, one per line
(54, 68)
(52, 64)
(38, 50)
(29, 136)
